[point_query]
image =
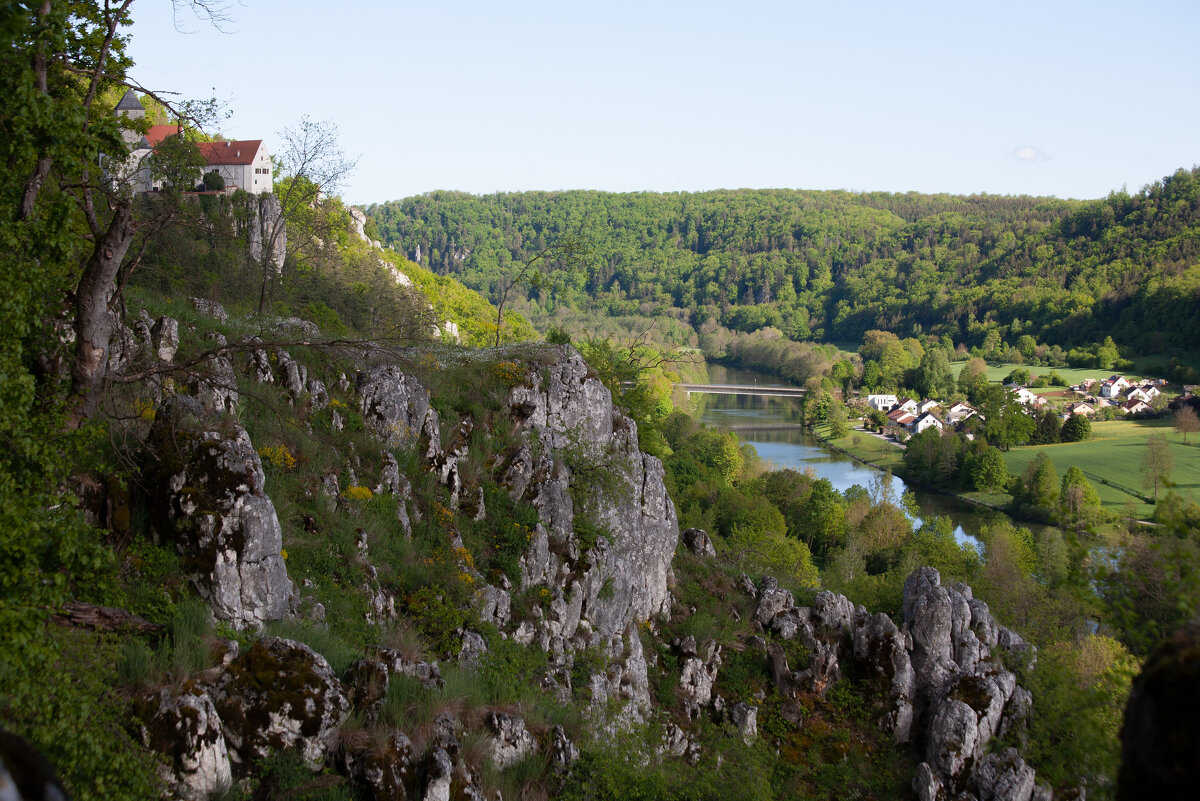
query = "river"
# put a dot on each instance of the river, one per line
(766, 423)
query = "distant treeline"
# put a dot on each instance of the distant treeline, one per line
(833, 265)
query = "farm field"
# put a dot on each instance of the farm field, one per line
(1112, 461)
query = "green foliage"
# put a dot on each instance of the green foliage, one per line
(835, 265)
(1079, 693)
(60, 697)
(1151, 589)
(986, 468)
(1076, 428)
(766, 552)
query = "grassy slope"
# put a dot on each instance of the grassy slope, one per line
(1112, 461)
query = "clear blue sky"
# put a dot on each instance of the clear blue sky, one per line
(1072, 99)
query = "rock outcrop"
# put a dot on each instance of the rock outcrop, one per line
(943, 687)
(209, 484)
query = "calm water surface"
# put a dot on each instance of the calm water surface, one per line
(763, 422)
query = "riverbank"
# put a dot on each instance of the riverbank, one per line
(894, 462)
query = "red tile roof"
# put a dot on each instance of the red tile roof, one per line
(234, 152)
(157, 133)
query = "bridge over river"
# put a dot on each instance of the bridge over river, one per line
(745, 389)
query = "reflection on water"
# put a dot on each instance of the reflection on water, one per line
(769, 424)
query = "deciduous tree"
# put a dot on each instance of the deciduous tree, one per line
(1157, 463)
(1186, 421)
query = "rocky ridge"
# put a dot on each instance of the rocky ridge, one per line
(941, 670)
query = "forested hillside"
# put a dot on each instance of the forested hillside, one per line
(832, 265)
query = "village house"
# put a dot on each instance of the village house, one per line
(1079, 408)
(907, 404)
(1146, 392)
(881, 403)
(1135, 407)
(1025, 396)
(927, 406)
(1114, 386)
(925, 421)
(959, 412)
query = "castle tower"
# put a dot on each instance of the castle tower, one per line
(132, 109)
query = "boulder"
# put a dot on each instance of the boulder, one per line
(494, 605)
(698, 542)
(510, 741)
(563, 752)
(387, 770)
(745, 718)
(209, 308)
(182, 725)
(439, 771)
(1004, 776)
(215, 385)
(280, 694)
(772, 601)
(697, 677)
(291, 374)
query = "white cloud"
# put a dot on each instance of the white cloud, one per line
(1030, 154)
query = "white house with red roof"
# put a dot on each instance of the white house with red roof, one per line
(244, 164)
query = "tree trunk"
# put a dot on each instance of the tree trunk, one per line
(94, 318)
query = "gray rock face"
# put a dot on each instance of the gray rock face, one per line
(211, 496)
(1004, 777)
(627, 574)
(369, 678)
(183, 726)
(953, 734)
(745, 717)
(965, 697)
(280, 694)
(164, 338)
(394, 406)
(260, 364)
(494, 605)
(882, 649)
(697, 676)
(318, 396)
(473, 648)
(699, 543)
(439, 771)
(510, 741)
(927, 785)
(938, 678)
(209, 308)
(772, 601)
(290, 374)
(563, 752)
(216, 385)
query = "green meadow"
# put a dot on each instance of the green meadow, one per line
(1112, 461)
(998, 371)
